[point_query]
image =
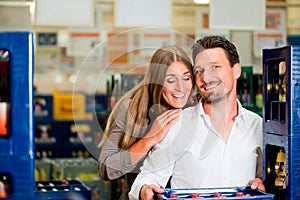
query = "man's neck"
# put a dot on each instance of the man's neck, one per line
(222, 115)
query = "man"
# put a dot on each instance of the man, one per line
(217, 143)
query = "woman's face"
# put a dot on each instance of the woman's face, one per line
(178, 85)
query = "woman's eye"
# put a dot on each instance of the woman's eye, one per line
(186, 78)
(171, 80)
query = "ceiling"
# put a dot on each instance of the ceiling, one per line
(176, 2)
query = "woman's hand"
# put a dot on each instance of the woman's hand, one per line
(161, 126)
(157, 132)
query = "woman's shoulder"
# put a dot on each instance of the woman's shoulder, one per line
(120, 112)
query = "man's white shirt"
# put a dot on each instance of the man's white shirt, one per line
(196, 156)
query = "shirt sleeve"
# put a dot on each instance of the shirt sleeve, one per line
(159, 165)
(156, 170)
(115, 162)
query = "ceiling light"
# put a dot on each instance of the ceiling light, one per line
(201, 1)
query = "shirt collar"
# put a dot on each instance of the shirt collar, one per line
(240, 111)
(199, 111)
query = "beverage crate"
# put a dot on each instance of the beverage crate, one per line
(85, 170)
(43, 169)
(71, 189)
(213, 193)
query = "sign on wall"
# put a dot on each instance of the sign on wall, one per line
(274, 35)
(143, 12)
(237, 14)
(202, 26)
(64, 13)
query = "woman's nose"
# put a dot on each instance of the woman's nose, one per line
(180, 86)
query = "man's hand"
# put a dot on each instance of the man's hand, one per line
(147, 191)
(257, 183)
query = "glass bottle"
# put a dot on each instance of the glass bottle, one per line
(280, 180)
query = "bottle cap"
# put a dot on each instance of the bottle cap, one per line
(217, 195)
(195, 195)
(64, 182)
(173, 196)
(239, 194)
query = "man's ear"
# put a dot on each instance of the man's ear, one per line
(237, 70)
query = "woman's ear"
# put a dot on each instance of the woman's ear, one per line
(237, 70)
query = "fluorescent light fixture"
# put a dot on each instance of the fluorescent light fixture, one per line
(15, 3)
(201, 1)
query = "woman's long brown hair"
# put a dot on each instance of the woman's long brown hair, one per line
(146, 94)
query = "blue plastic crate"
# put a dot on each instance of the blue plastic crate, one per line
(17, 149)
(213, 193)
(281, 125)
(57, 190)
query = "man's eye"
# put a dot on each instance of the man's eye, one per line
(199, 71)
(215, 66)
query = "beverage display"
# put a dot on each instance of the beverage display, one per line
(281, 95)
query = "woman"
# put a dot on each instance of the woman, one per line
(143, 116)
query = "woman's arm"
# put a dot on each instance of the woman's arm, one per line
(114, 162)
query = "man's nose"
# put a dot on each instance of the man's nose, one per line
(208, 75)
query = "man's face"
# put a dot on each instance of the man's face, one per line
(215, 78)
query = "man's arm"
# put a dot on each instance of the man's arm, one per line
(154, 175)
